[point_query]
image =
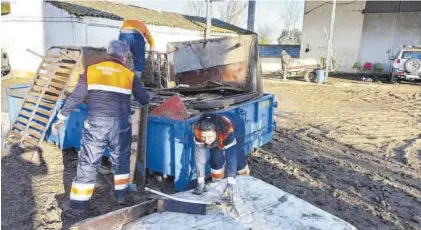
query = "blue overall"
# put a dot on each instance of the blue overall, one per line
(137, 43)
(225, 162)
(98, 134)
(108, 86)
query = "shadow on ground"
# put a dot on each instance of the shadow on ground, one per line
(20, 172)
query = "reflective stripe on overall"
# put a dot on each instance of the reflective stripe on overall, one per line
(100, 133)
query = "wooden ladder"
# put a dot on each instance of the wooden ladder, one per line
(41, 102)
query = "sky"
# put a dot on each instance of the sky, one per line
(268, 13)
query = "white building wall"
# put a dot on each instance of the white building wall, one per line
(36, 25)
(347, 31)
(270, 64)
(100, 31)
(385, 33)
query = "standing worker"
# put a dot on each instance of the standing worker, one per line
(108, 86)
(134, 32)
(217, 133)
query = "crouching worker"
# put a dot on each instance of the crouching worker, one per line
(108, 86)
(217, 133)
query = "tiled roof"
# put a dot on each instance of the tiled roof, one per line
(116, 11)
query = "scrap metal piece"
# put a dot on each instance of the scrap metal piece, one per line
(119, 218)
(225, 102)
(172, 108)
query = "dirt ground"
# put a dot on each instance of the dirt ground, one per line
(349, 148)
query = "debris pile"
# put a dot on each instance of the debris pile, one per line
(183, 102)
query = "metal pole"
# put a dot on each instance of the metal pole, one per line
(208, 19)
(251, 15)
(330, 43)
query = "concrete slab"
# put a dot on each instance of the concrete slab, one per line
(259, 205)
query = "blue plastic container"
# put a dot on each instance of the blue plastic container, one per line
(170, 145)
(320, 76)
(69, 137)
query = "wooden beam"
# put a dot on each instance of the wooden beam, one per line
(117, 219)
(143, 127)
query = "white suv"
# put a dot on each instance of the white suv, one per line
(407, 64)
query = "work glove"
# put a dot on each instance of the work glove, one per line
(57, 126)
(228, 193)
(200, 188)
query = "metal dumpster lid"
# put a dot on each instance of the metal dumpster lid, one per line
(228, 60)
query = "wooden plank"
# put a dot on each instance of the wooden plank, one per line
(23, 120)
(50, 62)
(56, 69)
(68, 65)
(58, 65)
(42, 111)
(31, 140)
(37, 126)
(13, 140)
(143, 126)
(59, 85)
(19, 126)
(60, 78)
(28, 106)
(48, 105)
(118, 218)
(33, 133)
(41, 119)
(52, 98)
(37, 88)
(44, 76)
(52, 56)
(34, 94)
(24, 113)
(14, 133)
(52, 90)
(41, 82)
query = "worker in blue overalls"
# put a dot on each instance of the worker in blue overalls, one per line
(217, 133)
(135, 33)
(108, 86)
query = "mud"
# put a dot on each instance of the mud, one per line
(349, 148)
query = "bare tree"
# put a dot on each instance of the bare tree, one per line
(233, 11)
(196, 8)
(290, 37)
(290, 18)
(265, 33)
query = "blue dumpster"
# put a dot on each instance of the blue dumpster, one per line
(170, 145)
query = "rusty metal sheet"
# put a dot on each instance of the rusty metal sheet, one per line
(229, 60)
(235, 75)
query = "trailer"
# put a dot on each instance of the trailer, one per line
(299, 67)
